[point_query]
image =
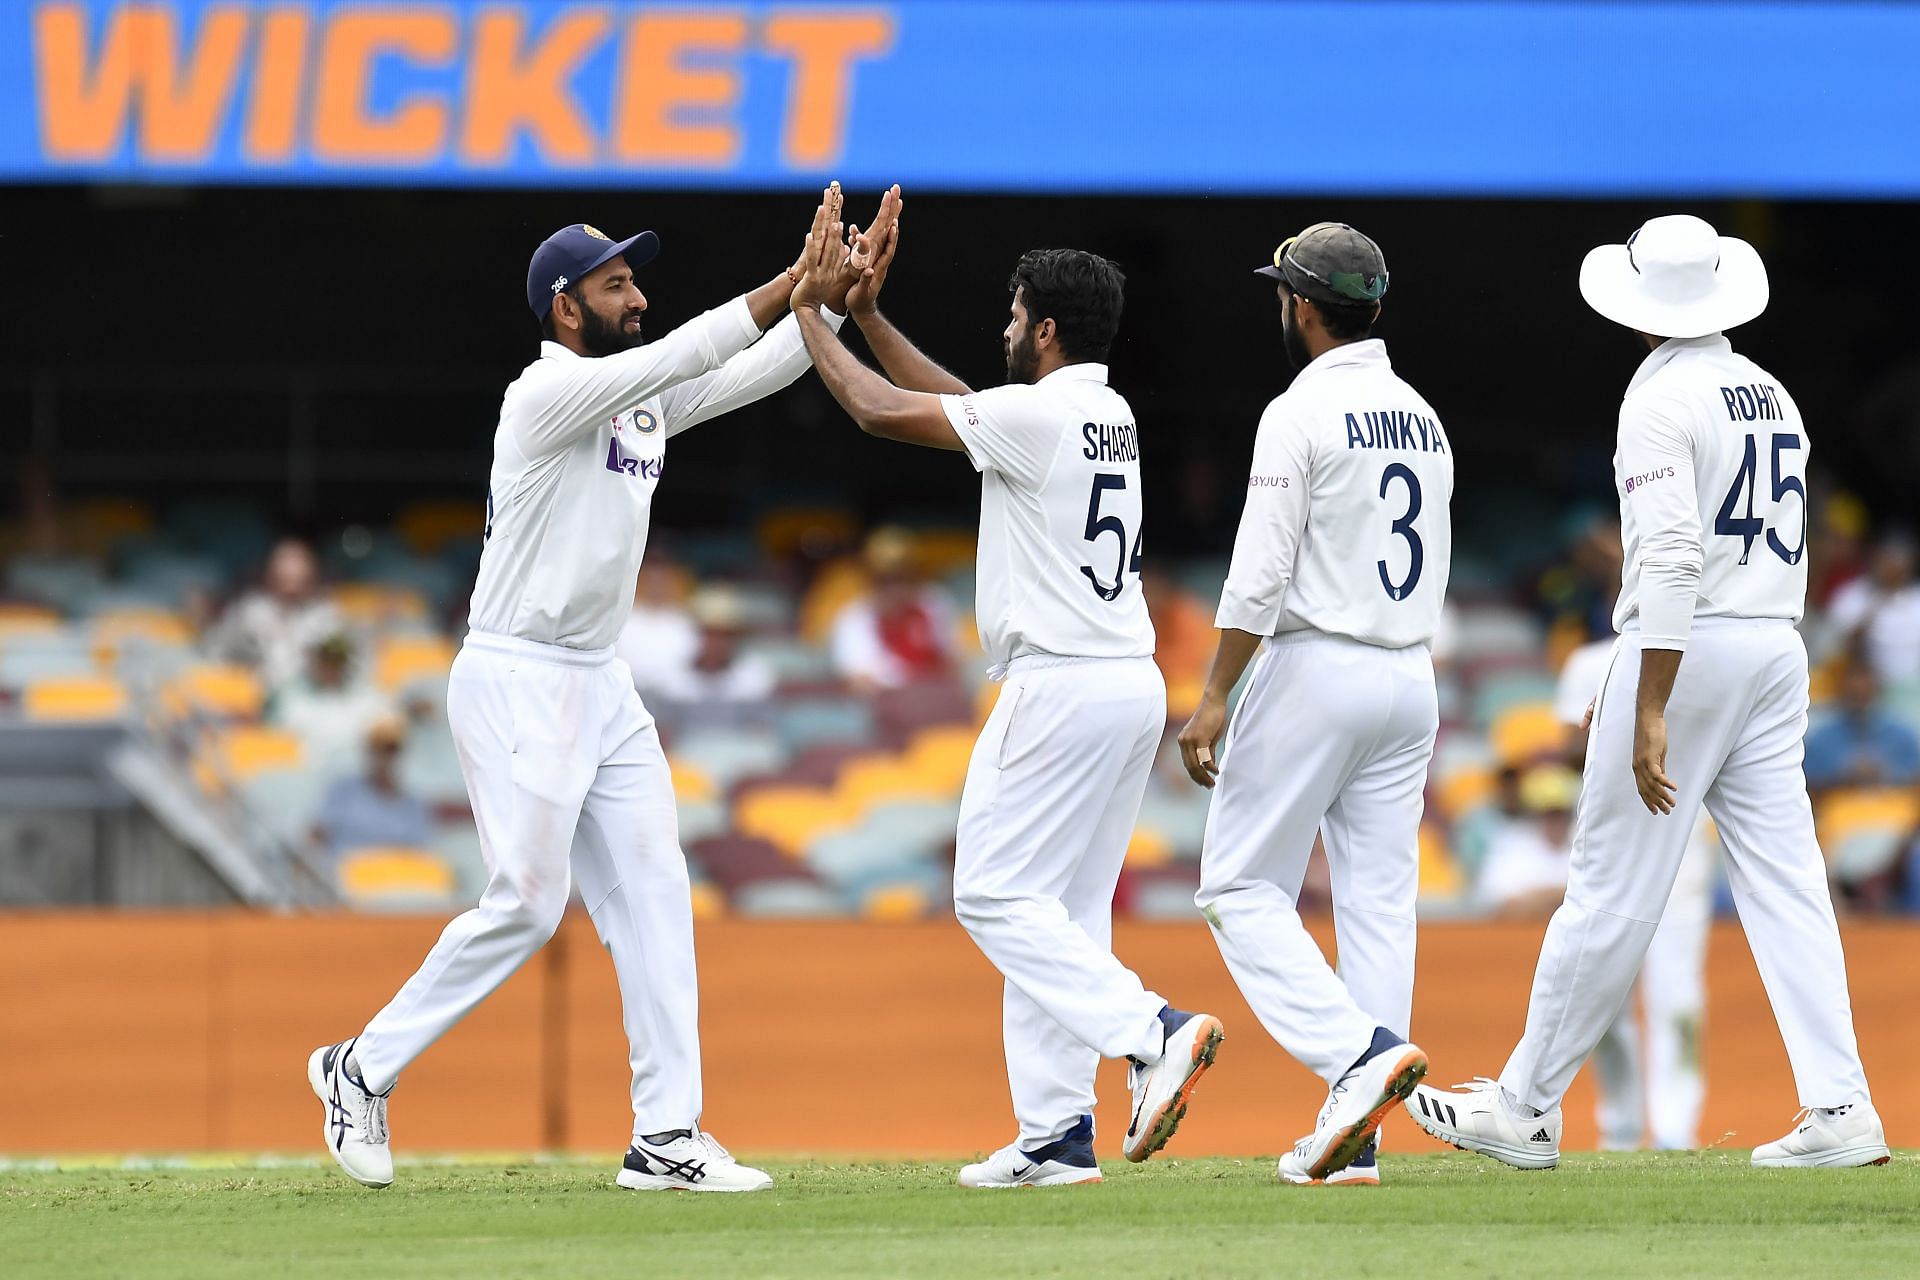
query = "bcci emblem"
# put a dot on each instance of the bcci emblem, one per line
(595, 232)
(645, 423)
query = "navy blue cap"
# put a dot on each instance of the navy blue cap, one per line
(570, 254)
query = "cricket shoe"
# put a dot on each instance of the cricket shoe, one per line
(1358, 1103)
(355, 1128)
(1066, 1160)
(1474, 1117)
(1363, 1172)
(1828, 1137)
(1162, 1089)
(688, 1161)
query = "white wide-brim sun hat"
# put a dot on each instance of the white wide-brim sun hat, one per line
(1676, 277)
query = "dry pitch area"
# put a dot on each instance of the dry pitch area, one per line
(1692, 1214)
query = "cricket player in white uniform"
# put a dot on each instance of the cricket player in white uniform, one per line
(562, 762)
(1651, 1082)
(1059, 771)
(1338, 575)
(1711, 469)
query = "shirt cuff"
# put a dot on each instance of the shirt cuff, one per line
(742, 316)
(833, 318)
(1667, 595)
(1244, 615)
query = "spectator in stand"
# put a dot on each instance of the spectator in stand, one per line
(1183, 638)
(659, 638)
(369, 810)
(330, 711)
(1880, 611)
(901, 631)
(274, 627)
(1837, 553)
(1524, 876)
(1861, 745)
(720, 685)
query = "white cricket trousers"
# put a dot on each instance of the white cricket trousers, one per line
(1332, 735)
(568, 784)
(1735, 727)
(1052, 794)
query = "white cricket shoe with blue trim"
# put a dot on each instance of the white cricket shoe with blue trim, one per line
(1066, 1161)
(355, 1128)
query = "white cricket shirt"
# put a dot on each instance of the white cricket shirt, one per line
(1711, 470)
(1346, 528)
(1060, 535)
(580, 448)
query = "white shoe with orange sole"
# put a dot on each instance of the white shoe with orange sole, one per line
(1361, 1100)
(1162, 1090)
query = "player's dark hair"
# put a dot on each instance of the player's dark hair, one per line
(1079, 291)
(1347, 321)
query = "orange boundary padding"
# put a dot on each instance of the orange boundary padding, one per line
(190, 1031)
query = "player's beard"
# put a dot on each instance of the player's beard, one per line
(1023, 361)
(1291, 338)
(604, 339)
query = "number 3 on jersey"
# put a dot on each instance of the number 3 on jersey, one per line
(1403, 526)
(1097, 525)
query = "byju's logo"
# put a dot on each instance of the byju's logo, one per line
(1642, 481)
(639, 468)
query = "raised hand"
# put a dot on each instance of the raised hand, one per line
(873, 253)
(826, 222)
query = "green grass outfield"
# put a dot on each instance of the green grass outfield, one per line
(1655, 1214)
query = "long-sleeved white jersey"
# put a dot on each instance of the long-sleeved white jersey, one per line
(1711, 469)
(1347, 526)
(580, 448)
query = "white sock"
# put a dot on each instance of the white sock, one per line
(1519, 1108)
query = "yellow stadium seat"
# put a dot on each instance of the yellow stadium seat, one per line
(400, 660)
(95, 524)
(372, 876)
(247, 750)
(786, 531)
(894, 903)
(1148, 848)
(941, 754)
(76, 698)
(219, 690)
(27, 619)
(1527, 732)
(875, 780)
(692, 784)
(372, 604)
(709, 903)
(1845, 814)
(1463, 791)
(838, 584)
(790, 818)
(1440, 875)
(426, 527)
(115, 627)
(984, 700)
(938, 552)
(1183, 697)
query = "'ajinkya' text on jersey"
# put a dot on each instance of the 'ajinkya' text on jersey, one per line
(1711, 470)
(581, 446)
(1346, 528)
(1060, 535)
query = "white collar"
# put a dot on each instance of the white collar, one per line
(551, 350)
(1663, 355)
(1361, 354)
(1081, 371)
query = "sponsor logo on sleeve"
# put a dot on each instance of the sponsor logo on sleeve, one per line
(1646, 478)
